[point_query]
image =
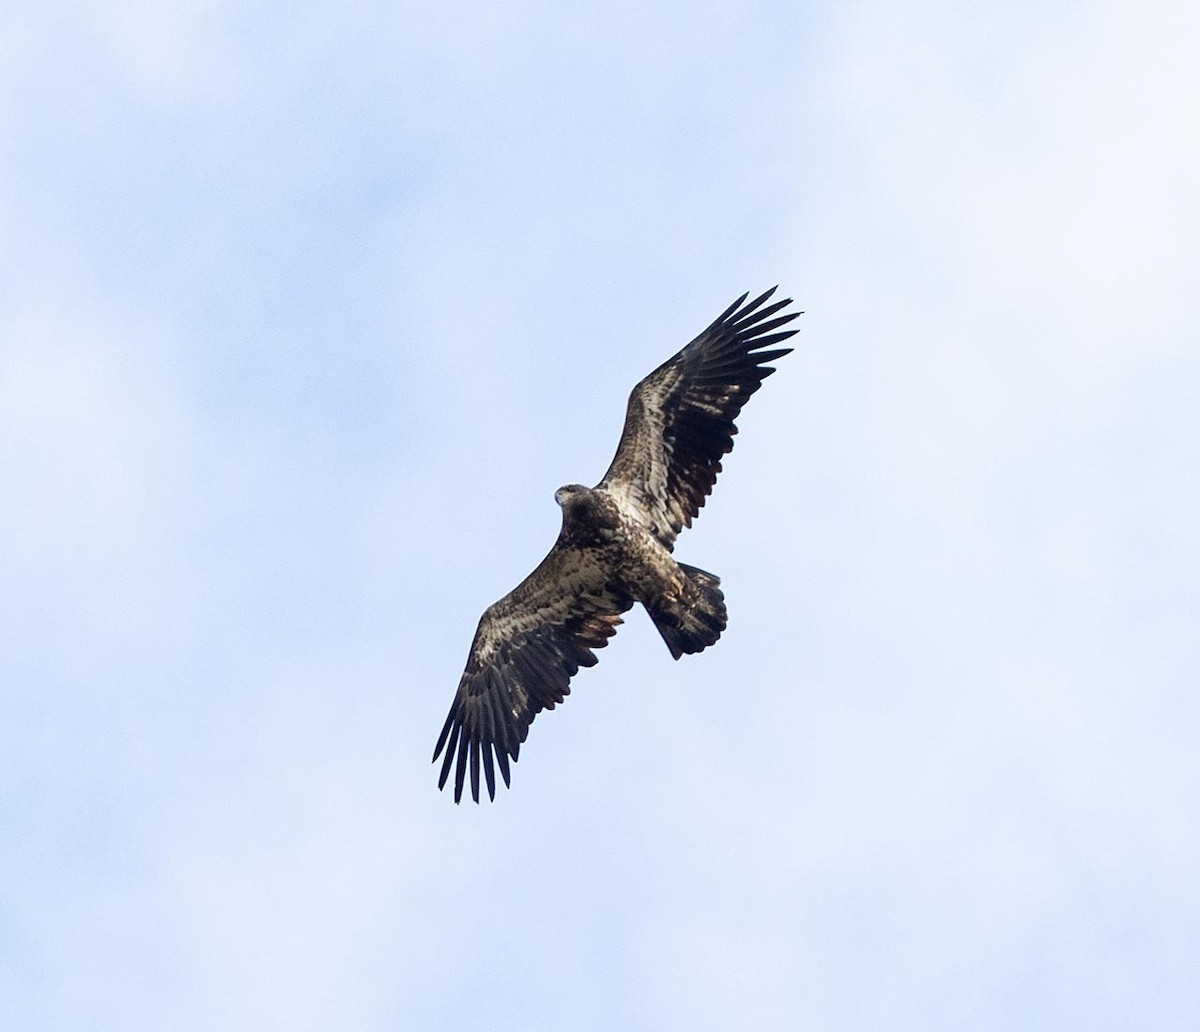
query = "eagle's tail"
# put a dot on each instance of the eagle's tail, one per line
(698, 619)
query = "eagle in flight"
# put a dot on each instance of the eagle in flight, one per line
(615, 547)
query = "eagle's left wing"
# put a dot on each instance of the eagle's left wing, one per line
(526, 650)
(679, 422)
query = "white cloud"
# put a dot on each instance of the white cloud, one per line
(95, 434)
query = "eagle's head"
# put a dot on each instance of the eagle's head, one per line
(569, 493)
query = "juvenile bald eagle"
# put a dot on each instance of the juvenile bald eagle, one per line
(615, 547)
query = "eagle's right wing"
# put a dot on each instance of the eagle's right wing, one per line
(526, 650)
(679, 422)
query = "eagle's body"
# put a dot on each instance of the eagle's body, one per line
(615, 547)
(610, 534)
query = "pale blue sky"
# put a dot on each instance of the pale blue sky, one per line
(306, 313)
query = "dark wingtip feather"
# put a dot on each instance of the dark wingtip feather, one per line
(460, 769)
(475, 768)
(748, 309)
(749, 318)
(502, 757)
(771, 324)
(444, 735)
(770, 356)
(731, 309)
(488, 773)
(769, 339)
(449, 760)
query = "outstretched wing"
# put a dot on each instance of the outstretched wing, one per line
(526, 650)
(679, 422)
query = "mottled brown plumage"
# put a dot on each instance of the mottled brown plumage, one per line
(614, 548)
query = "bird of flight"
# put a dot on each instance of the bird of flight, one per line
(615, 547)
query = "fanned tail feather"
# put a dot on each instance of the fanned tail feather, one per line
(698, 620)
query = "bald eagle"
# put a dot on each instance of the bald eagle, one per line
(615, 547)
